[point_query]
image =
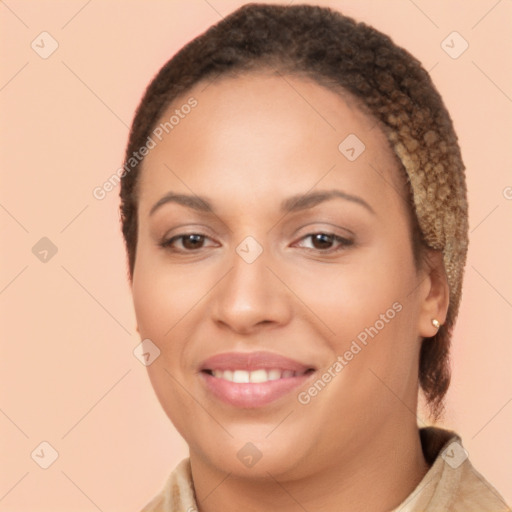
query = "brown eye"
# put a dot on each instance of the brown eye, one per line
(324, 242)
(193, 241)
(189, 242)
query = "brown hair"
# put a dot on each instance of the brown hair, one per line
(387, 82)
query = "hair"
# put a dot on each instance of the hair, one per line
(384, 80)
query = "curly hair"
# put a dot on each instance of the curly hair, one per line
(387, 82)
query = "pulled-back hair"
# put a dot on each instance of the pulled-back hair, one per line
(384, 80)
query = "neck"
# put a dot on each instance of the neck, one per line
(378, 476)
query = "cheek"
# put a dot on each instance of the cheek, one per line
(168, 301)
(350, 296)
(162, 296)
(162, 301)
(369, 309)
(387, 363)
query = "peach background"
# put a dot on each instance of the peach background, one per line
(68, 374)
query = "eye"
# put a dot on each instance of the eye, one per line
(188, 241)
(323, 242)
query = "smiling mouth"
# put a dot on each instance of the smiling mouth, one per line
(258, 376)
(249, 380)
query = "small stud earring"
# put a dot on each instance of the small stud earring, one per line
(435, 323)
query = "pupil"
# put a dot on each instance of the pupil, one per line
(194, 239)
(323, 239)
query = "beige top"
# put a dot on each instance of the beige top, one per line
(451, 484)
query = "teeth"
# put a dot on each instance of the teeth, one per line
(274, 374)
(240, 376)
(256, 376)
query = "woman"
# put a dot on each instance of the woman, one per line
(295, 216)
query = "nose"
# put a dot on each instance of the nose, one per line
(252, 295)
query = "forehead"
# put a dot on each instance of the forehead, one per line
(268, 130)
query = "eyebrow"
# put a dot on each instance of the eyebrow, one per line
(294, 203)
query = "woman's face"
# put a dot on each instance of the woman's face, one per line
(298, 277)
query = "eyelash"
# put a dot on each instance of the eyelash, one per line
(344, 242)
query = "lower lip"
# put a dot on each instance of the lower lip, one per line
(252, 395)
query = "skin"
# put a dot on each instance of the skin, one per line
(251, 142)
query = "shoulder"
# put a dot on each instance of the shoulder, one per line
(452, 483)
(475, 493)
(155, 505)
(177, 493)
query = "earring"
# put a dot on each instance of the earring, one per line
(435, 323)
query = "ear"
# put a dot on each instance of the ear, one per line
(435, 296)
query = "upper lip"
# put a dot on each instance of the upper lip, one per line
(250, 361)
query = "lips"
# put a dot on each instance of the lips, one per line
(253, 379)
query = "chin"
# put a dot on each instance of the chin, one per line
(250, 457)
